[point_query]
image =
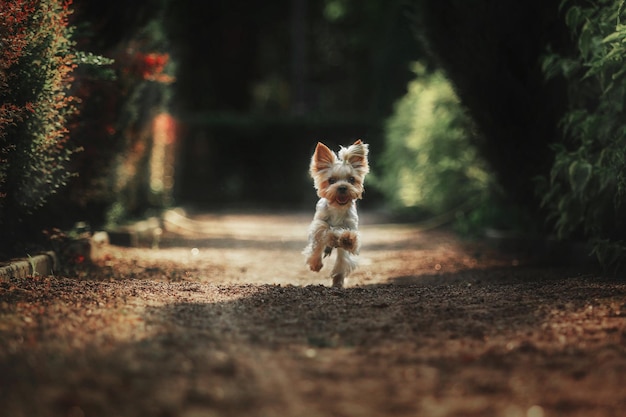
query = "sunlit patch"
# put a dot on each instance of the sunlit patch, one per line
(535, 411)
(162, 155)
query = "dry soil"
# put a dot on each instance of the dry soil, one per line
(223, 319)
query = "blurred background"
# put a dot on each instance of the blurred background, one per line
(480, 115)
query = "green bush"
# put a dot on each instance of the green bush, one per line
(585, 193)
(36, 64)
(429, 165)
(491, 53)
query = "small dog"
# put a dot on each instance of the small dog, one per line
(338, 180)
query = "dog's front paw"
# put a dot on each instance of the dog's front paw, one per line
(348, 240)
(315, 263)
(332, 239)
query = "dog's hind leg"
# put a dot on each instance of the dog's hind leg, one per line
(344, 265)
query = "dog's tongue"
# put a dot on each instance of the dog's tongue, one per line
(343, 199)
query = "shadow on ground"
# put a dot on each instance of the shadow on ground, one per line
(469, 343)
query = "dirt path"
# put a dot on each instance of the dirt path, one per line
(225, 320)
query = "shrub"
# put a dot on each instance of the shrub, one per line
(491, 51)
(36, 64)
(429, 164)
(586, 190)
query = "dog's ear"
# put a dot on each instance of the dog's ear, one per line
(323, 158)
(356, 155)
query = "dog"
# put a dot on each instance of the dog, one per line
(338, 179)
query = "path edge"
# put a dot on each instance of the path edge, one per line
(41, 264)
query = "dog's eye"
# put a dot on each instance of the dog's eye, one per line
(332, 180)
(351, 180)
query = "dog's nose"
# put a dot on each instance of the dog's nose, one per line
(342, 189)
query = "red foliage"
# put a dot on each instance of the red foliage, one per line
(36, 65)
(13, 32)
(151, 66)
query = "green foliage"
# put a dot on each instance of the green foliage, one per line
(586, 190)
(429, 164)
(490, 51)
(95, 66)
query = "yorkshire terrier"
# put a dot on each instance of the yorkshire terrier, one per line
(338, 180)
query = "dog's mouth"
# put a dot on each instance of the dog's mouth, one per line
(342, 199)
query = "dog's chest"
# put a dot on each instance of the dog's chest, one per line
(340, 218)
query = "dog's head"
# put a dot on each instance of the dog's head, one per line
(339, 178)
